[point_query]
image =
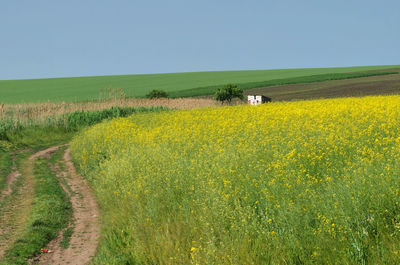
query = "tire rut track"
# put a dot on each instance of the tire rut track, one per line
(85, 221)
(16, 212)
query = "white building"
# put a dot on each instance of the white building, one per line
(257, 99)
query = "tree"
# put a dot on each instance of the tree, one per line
(228, 92)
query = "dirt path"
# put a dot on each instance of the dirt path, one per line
(15, 214)
(85, 223)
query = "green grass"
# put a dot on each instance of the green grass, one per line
(6, 164)
(66, 237)
(51, 211)
(17, 184)
(39, 137)
(5, 167)
(87, 88)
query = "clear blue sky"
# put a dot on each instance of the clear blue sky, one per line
(54, 38)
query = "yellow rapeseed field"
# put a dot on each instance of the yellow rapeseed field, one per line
(308, 182)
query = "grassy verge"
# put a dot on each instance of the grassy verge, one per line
(50, 213)
(5, 167)
(39, 137)
(17, 184)
(58, 129)
(209, 90)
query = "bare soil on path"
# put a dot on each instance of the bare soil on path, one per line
(85, 223)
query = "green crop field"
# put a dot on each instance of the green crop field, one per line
(87, 88)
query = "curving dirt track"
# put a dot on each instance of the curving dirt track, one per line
(84, 240)
(85, 221)
(15, 214)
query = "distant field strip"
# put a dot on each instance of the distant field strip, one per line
(202, 91)
(307, 182)
(356, 87)
(88, 88)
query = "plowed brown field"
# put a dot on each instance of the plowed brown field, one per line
(374, 85)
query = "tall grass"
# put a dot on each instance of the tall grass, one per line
(18, 116)
(69, 121)
(313, 182)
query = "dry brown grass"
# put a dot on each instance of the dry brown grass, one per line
(40, 112)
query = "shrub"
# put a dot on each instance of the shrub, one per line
(157, 94)
(228, 92)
